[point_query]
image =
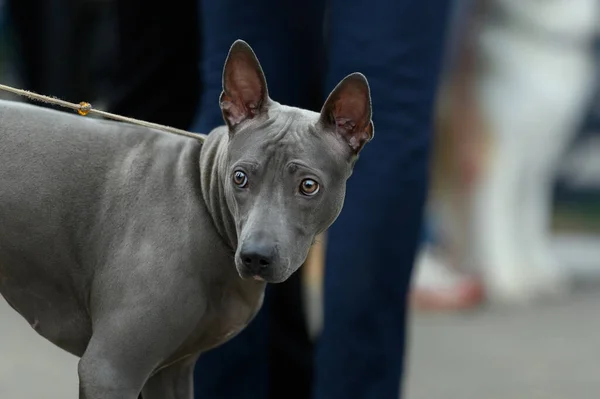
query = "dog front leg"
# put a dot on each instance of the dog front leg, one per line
(101, 378)
(123, 353)
(173, 382)
(113, 367)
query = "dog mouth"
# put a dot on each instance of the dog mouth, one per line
(270, 276)
(246, 274)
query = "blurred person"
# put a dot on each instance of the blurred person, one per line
(305, 48)
(439, 282)
(25, 18)
(62, 47)
(526, 73)
(155, 75)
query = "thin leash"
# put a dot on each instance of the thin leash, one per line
(85, 108)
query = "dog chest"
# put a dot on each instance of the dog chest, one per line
(225, 319)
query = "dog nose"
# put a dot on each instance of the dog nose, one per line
(257, 259)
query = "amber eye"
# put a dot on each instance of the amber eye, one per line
(240, 179)
(309, 187)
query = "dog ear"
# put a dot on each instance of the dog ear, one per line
(347, 111)
(245, 92)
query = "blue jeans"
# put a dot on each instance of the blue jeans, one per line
(305, 49)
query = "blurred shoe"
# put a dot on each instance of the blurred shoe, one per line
(439, 288)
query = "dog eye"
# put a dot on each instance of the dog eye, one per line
(240, 179)
(309, 187)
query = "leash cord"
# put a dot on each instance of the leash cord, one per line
(84, 108)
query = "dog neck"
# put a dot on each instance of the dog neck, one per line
(213, 175)
(213, 164)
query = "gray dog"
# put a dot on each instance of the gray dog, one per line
(137, 250)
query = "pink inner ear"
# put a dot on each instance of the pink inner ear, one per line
(352, 107)
(352, 119)
(244, 91)
(348, 108)
(245, 86)
(355, 136)
(233, 113)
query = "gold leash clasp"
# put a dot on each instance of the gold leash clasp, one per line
(84, 108)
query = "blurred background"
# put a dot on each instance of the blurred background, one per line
(506, 290)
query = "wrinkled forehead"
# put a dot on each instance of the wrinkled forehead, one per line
(290, 135)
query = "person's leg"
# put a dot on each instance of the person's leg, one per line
(156, 75)
(26, 20)
(529, 117)
(291, 351)
(554, 106)
(287, 38)
(399, 46)
(49, 38)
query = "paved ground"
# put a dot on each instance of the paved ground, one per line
(549, 352)
(546, 352)
(30, 367)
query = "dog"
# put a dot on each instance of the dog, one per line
(137, 250)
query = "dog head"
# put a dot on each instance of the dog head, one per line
(286, 167)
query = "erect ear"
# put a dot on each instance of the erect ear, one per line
(348, 111)
(244, 93)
